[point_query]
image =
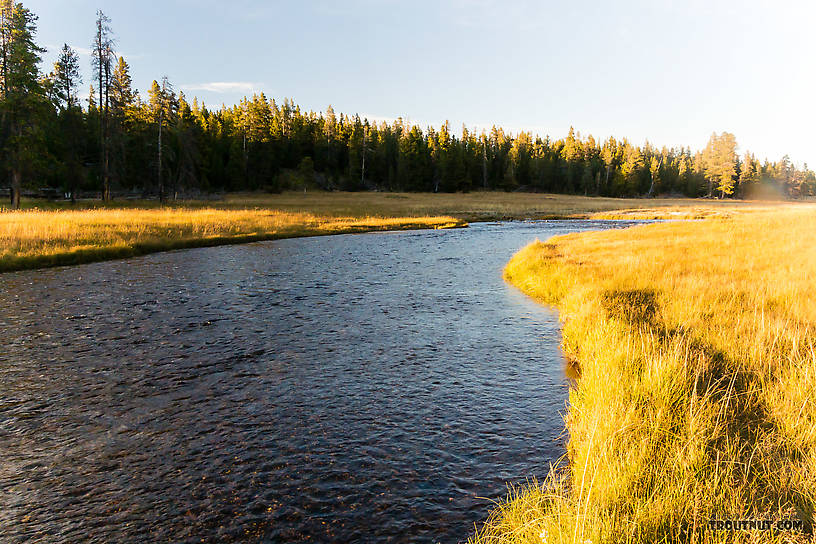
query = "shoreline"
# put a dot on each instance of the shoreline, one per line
(697, 362)
(61, 236)
(137, 249)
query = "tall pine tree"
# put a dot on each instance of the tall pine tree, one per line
(23, 99)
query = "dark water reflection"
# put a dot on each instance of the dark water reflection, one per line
(350, 388)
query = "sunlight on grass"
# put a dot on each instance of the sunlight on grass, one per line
(696, 344)
(57, 233)
(41, 238)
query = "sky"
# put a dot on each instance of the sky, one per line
(667, 71)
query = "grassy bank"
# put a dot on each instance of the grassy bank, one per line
(58, 233)
(31, 239)
(696, 344)
(475, 206)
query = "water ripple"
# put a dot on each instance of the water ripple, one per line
(365, 388)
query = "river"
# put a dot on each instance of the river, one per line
(357, 388)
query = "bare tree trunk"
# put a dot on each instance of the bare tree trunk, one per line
(16, 188)
(106, 191)
(7, 12)
(6, 40)
(161, 183)
(102, 141)
(484, 165)
(246, 160)
(362, 173)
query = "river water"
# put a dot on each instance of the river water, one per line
(358, 388)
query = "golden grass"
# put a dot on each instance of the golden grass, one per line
(478, 205)
(56, 233)
(31, 239)
(696, 344)
(481, 206)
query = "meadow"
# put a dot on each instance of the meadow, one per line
(49, 233)
(695, 345)
(694, 341)
(33, 239)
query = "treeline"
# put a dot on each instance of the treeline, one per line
(165, 145)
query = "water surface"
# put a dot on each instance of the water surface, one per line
(357, 388)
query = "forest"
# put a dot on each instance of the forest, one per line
(117, 142)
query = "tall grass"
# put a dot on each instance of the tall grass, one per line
(478, 205)
(59, 233)
(42, 238)
(697, 351)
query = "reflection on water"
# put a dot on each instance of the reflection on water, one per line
(346, 388)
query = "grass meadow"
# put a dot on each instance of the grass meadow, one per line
(696, 348)
(32, 239)
(58, 233)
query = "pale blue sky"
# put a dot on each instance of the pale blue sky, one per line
(667, 71)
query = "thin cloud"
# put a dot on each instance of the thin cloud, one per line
(51, 48)
(223, 87)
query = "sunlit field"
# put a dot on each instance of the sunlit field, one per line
(55, 233)
(474, 206)
(34, 238)
(695, 343)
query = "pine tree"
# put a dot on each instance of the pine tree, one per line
(719, 159)
(654, 175)
(163, 107)
(608, 155)
(121, 88)
(749, 175)
(330, 133)
(67, 76)
(631, 169)
(23, 99)
(102, 61)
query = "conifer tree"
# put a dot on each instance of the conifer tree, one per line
(67, 76)
(102, 60)
(719, 159)
(748, 173)
(23, 99)
(163, 107)
(121, 89)
(631, 168)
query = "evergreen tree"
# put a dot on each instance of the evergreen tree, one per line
(163, 107)
(749, 175)
(631, 170)
(67, 77)
(122, 95)
(654, 175)
(23, 99)
(102, 61)
(719, 159)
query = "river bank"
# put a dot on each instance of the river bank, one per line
(38, 239)
(696, 346)
(57, 233)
